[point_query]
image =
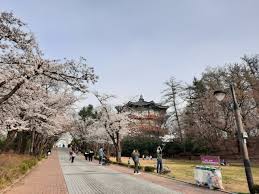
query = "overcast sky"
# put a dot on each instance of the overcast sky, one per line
(136, 45)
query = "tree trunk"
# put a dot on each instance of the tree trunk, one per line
(10, 139)
(19, 144)
(178, 120)
(118, 153)
(32, 141)
(183, 141)
(108, 150)
(118, 147)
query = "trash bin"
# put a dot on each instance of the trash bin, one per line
(208, 176)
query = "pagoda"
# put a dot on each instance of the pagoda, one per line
(148, 117)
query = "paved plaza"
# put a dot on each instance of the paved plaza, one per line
(56, 175)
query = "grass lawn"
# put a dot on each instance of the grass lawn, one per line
(12, 166)
(234, 178)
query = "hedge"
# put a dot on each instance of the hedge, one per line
(149, 168)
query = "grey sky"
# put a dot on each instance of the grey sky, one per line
(136, 45)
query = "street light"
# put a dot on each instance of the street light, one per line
(220, 95)
(242, 136)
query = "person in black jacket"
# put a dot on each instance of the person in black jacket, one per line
(86, 154)
(91, 154)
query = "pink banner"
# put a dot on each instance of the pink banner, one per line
(215, 160)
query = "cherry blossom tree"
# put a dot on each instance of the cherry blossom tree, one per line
(115, 122)
(36, 94)
(22, 61)
(87, 131)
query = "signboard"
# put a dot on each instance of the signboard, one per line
(214, 160)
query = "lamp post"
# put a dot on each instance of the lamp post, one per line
(242, 136)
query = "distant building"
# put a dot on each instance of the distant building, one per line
(64, 140)
(148, 117)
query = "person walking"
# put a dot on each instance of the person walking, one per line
(91, 154)
(101, 155)
(86, 155)
(135, 158)
(70, 151)
(105, 158)
(73, 156)
(159, 166)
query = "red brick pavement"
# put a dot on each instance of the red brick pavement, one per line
(46, 178)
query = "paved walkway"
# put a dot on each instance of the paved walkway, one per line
(46, 178)
(91, 178)
(88, 177)
(56, 175)
(179, 186)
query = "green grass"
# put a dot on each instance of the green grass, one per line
(233, 176)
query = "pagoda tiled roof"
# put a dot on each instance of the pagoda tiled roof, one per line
(142, 103)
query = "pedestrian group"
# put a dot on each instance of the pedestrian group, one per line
(135, 156)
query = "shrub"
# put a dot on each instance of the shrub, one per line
(149, 169)
(256, 188)
(166, 170)
(40, 157)
(31, 162)
(23, 168)
(27, 164)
